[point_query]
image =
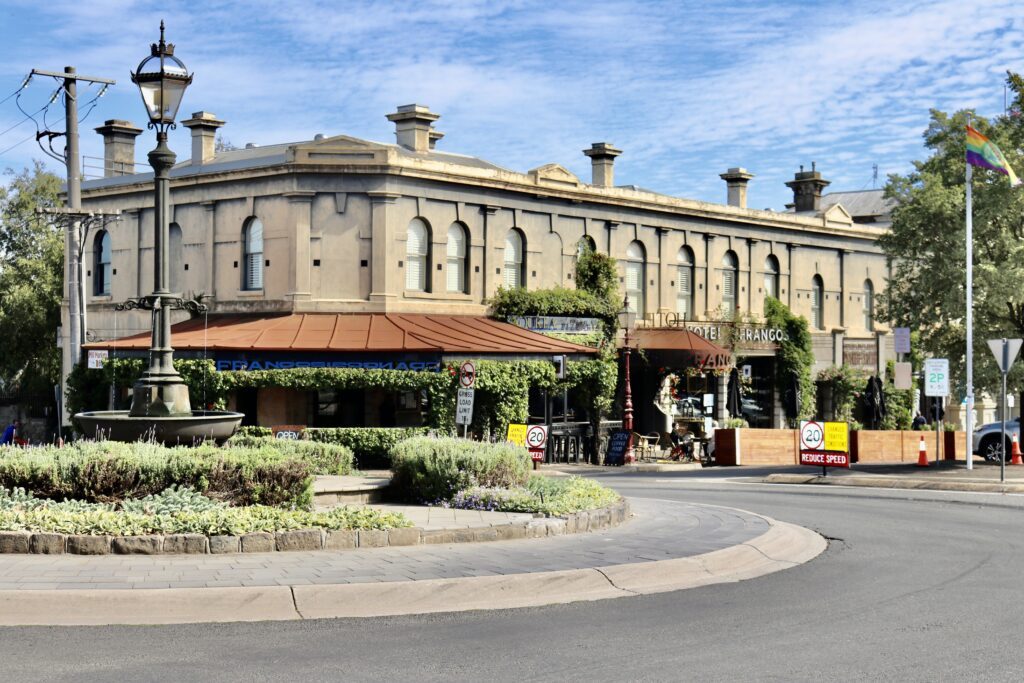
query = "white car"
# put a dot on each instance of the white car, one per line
(987, 438)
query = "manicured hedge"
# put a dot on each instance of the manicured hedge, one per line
(179, 511)
(322, 458)
(109, 471)
(545, 495)
(371, 445)
(428, 469)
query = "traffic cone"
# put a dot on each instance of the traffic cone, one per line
(922, 454)
(1016, 452)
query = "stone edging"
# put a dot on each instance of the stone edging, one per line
(307, 539)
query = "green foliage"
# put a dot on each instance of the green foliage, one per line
(795, 356)
(596, 274)
(108, 471)
(846, 384)
(541, 495)
(175, 511)
(508, 303)
(428, 469)
(323, 457)
(372, 446)
(253, 430)
(31, 282)
(89, 388)
(927, 241)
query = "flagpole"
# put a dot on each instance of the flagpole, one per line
(970, 324)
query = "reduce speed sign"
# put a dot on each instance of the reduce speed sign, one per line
(536, 437)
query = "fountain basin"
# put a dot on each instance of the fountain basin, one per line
(118, 425)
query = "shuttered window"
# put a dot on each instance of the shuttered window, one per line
(456, 266)
(730, 279)
(771, 277)
(635, 277)
(417, 246)
(869, 306)
(103, 258)
(818, 303)
(513, 270)
(252, 261)
(684, 284)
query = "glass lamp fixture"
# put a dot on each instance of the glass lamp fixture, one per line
(162, 79)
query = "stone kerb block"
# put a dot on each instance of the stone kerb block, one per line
(405, 536)
(223, 544)
(14, 541)
(373, 538)
(341, 540)
(48, 544)
(303, 539)
(185, 544)
(258, 542)
(508, 532)
(89, 545)
(138, 545)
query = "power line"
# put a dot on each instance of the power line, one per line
(24, 84)
(18, 144)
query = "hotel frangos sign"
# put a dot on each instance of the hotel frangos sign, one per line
(727, 334)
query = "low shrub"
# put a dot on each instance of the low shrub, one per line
(371, 445)
(544, 495)
(176, 511)
(253, 430)
(429, 469)
(109, 471)
(322, 458)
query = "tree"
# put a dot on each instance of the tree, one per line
(926, 245)
(31, 281)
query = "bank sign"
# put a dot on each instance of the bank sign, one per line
(722, 333)
(559, 324)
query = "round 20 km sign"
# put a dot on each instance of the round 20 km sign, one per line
(536, 439)
(812, 436)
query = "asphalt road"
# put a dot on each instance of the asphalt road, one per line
(915, 586)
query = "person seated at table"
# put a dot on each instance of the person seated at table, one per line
(682, 442)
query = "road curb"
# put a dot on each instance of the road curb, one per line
(781, 547)
(895, 483)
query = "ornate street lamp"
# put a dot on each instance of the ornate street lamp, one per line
(627, 318)
(162, 79)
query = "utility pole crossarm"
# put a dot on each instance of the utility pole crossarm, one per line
(73, 76)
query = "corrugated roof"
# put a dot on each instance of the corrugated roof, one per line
(354, 332)
(860, 204)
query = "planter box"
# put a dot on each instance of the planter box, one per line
(781, 446)
(757, 447)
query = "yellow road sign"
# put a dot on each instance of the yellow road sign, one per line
(516, 434)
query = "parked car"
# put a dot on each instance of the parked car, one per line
(987, 439)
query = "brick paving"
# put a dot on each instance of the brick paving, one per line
(659, 530)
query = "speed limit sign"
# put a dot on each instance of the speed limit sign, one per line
(812, 436)
(536, 439)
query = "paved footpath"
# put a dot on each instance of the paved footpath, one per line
(657, 531)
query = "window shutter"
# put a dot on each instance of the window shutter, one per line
(729, 289)
(254, 271)
(456, 259)
(416, 257)
(513, 260)
(684, 291)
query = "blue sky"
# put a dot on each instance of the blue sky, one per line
(687, 89)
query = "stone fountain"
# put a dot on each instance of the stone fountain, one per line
(161, 409)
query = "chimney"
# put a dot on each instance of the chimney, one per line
(807, 187)
(602, 159)
(412, 126)
(118, 147)
(204, 127)
(434, 136)
(736, 180)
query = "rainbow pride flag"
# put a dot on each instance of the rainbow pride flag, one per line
(984, 153)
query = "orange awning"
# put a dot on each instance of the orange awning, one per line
(701, 352)
(354, 332)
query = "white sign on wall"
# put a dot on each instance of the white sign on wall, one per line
(97, 358)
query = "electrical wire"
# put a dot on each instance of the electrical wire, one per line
(24, 84)
(18, 144)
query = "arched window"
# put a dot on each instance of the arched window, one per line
(252, 254)
(417, 256)
(730, 281)
(818, 303)
(771, 277)
(684, 279)
(585, 244)
(101, 268)
(174, 257)
(457, 262)
(515, 264)
(636, 256)
(869, 306)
